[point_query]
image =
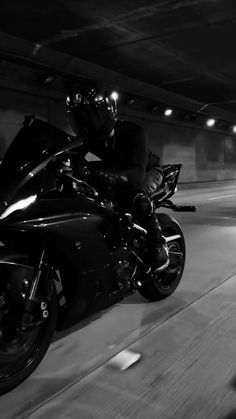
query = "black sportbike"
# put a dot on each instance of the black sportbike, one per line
(64, 249)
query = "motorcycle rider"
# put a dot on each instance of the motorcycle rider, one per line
(124, 149)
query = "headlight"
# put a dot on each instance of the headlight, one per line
(23, 203)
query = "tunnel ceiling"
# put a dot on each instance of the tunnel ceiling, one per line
(186, 47)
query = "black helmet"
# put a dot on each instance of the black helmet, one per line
(92, 112)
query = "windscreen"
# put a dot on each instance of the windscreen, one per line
(35, 143)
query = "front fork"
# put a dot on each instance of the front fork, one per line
(41, 269)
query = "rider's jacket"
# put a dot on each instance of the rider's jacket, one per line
(128, 150)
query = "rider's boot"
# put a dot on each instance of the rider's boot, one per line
(158, 250)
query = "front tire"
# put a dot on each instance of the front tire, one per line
(21, 352)
(165, 283)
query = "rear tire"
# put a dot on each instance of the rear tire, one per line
(21, 353)
(166, 282)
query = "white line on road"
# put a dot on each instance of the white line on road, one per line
(220, 197)
(124, 359)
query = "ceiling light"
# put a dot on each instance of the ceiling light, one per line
(48, 79)
(168, 112)
(129, 101)
(98, 98)
(234, 129)
(154, 108)
(114, 95)
(210, 122)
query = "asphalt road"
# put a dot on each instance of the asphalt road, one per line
(187, 342)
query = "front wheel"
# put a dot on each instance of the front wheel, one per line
(166, 282)
(21, 351)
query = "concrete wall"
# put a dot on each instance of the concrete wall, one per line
(15, 105)
(205, 155)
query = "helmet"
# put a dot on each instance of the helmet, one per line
(92, 112)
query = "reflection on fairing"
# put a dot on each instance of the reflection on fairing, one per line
(19, 205)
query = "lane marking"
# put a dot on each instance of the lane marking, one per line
(220, 197)
(231, 219)
(124, 359)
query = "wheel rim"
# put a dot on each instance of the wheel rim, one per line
(168, 278)
(18, 349)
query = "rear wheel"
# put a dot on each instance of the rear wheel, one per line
(21, 351)
(166, 282)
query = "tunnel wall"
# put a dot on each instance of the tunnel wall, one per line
(15, 105)
(206, 155)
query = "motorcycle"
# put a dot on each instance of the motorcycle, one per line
(64, 248)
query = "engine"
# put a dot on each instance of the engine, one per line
(124, 271)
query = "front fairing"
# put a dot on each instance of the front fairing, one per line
(74, 226)
(22, 172)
